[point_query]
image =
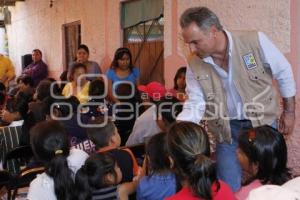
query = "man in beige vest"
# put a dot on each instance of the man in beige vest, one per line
(229, 84)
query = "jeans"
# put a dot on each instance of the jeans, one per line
(228, 166)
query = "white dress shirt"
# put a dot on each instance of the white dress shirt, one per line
(194, 107)
(144, 127)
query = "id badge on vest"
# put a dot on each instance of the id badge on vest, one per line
(249, 61)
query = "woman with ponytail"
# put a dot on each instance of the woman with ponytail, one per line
(100, 178)
(189, 150)
(50, 144)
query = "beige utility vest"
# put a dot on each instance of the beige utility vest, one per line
(252, 80)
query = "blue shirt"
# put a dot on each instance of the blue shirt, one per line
(132, 77)
(156, 187)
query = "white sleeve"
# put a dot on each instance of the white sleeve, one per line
(42, 187)
(194, 106)
(280, 67)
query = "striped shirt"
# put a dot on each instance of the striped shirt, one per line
(108, 193)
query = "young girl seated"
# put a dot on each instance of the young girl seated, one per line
(189, 150)
(178, 90)
(160, 182)
(262, 153)
(50, 144)
(99, 178)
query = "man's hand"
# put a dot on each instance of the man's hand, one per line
(287, 118)
(287, 122)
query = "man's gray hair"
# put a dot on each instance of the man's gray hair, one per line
(202, 16)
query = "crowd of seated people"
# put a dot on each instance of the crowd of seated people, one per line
(82, 132)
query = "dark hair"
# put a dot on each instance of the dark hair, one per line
(91, 176)
(84, 47)
(202, 16)
(64, 76)
(188, 146)
(37, 50)
(96, 88)
(2, 94)
(181, 70)
(2, 99)
(169, 107)
(50, 144)
(27, 80)
(63, 109)
(19, 104)
(157, 152)
(2, 87)
(74, 67)
(43, 89)
(101, 136)
(266, 147)
(118, 55)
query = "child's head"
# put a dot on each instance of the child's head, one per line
(26, 82)
(188, 146)
(157, 154)
(43, 90)
(122, 59)
(103, 133)
(64, 107)
(125, 91)
(97, 88)
(179, 79)
(167, 110)
(50, 144)
(77, 70)
(99, 171)
(262, 153)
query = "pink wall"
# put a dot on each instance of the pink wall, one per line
(36, 25)
(293, 56)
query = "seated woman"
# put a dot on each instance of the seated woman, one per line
(50, 145)
(79, 85)
(121, 69)
(82, 56)
(262, 153)
(189, 150)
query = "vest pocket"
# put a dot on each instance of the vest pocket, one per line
(256, 74)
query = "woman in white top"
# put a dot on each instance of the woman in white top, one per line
(50, 144)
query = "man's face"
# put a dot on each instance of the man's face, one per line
(36, 56)
(201, 43)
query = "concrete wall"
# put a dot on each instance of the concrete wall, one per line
(35, 25)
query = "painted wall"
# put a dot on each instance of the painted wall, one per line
(36, 25)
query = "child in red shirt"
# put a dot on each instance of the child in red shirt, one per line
(188, 145)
